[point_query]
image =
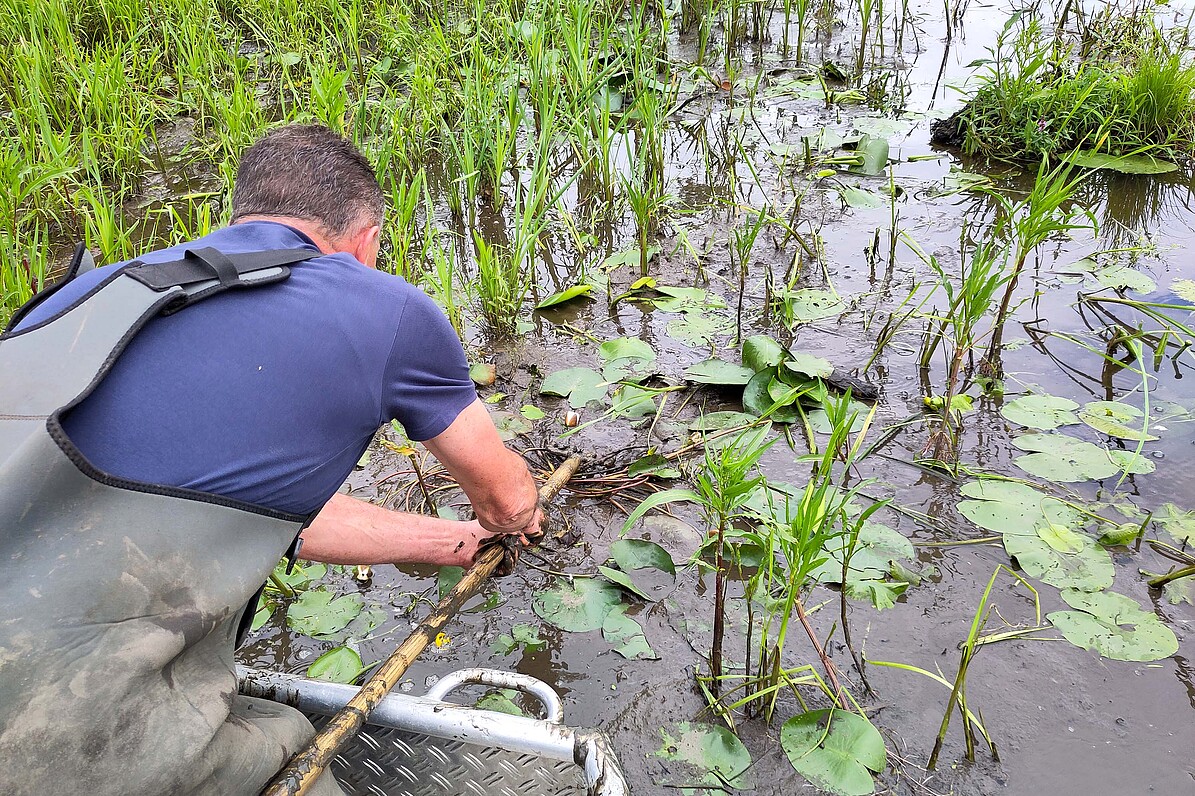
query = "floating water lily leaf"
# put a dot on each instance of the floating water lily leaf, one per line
(809, 365)
(1179, 523)
(626, 348)
(337, 665)
(1180, 591)
(1114, 626)
(483, 374)
(579, 606)
(881, 126)
(718, 371)
(835, 750)
(1008, 507)
(874, 155)
(628, 257)
(1062, 558)
(819, 421)
(718, 421)
(1125, 164)
(1122, 277)
(761, 352)
(300, 576)
(261, 615)
(880, 593)
(521, 636)
(653, 464)
(576, 291)
(608, 99)
(1184, 289)
(1120, 535)
(1044, 412)
(862, 199)
(686, 299)
(1116, 420)
(509, 424)
(580, 385)
(1057, 457)
(698, 328)
(531, 412)
(626, 635)
(632, 554)
(808, 305)
(632, 401)
(757, 398)
(316, 613)
(710, 755)
(875, 550)
(447, 578)
(500, 701)
(623, 579)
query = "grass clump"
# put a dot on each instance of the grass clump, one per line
(1047, 94)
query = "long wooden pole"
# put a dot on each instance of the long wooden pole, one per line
(307, 765)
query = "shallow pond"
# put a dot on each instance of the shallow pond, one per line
(1064, 719)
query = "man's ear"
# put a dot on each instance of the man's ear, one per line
(365, 243)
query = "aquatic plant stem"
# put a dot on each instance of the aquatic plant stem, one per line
(827, 664)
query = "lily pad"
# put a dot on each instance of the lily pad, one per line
(500, 701)
(623, 579)
(819, 421)
(835, 750)
(509, 424)
(1114, 626)
(718, 371)
(579, 606)
(1012, 507)
(632, 554)
(1125, 164)
(318, 612)
(580, 385)
(686, 299)
(626, 348)
(1061, 557)
(1179, 523)
(874, 155)
(709, 755)
(483, 374)
(860, 198)
(1180, 591)
(338, 665)
(521, 636)
(809, 365)
(761, 352)
(808, 305)
(632, 401)
(875, 550)
(574, 292)
(1057, 457)
(1043, 412)
(757, 398)
(1116, 420)
(880, 593)
(626, 635)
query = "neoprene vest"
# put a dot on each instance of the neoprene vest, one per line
(121, 600)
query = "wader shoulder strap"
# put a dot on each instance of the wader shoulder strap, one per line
(86, 337)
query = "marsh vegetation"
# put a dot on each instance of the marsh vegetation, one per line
(888, 443)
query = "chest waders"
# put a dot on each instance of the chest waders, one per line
(120, 599)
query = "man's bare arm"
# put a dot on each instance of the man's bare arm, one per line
(352, 531)
(494, 477)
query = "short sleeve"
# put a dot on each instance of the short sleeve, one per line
(427, 382)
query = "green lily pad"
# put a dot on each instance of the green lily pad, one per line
(761, 352)
(318, 612)
(483, 374)
(718, 371)
(521, 636)
(580, 385)
(626, 348)
(835, 750)
(579, 606)
(1122, 277)
(1009, 507)
(1179, 523)
(623, 579)
(874, 154)
(1044, 412)
(1114, 626)
(1057, 457)
(708, 755)
(261, 615)
(809, 365)
(862, 199)
(338, 665)
(880, 593)
(1121, 535)
(1116, 420)
(509, 424)
(1125, 164)
(686, 299)
(632, 401)
(757, 398)
(1184, 289)
(1061, 557)
(632, 554)
(500, 701)
(626, 635)
(819, 421)
(875, 550)
(699, 328)
(1180, 591)
(576, 291)
(808, 305)
(530, 412)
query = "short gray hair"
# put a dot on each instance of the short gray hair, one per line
(311, 173)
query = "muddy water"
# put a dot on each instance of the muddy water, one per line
(1064, 720)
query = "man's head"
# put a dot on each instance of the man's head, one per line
(307, 173)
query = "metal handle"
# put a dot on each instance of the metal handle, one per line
(525, 683)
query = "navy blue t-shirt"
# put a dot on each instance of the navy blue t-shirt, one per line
(270, 395)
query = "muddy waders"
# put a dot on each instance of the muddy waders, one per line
(121, 600)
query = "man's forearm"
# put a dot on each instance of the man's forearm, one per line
(351, 531)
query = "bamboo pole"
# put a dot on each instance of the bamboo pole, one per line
(308, 764)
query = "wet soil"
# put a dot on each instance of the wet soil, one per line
(1064, 720)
